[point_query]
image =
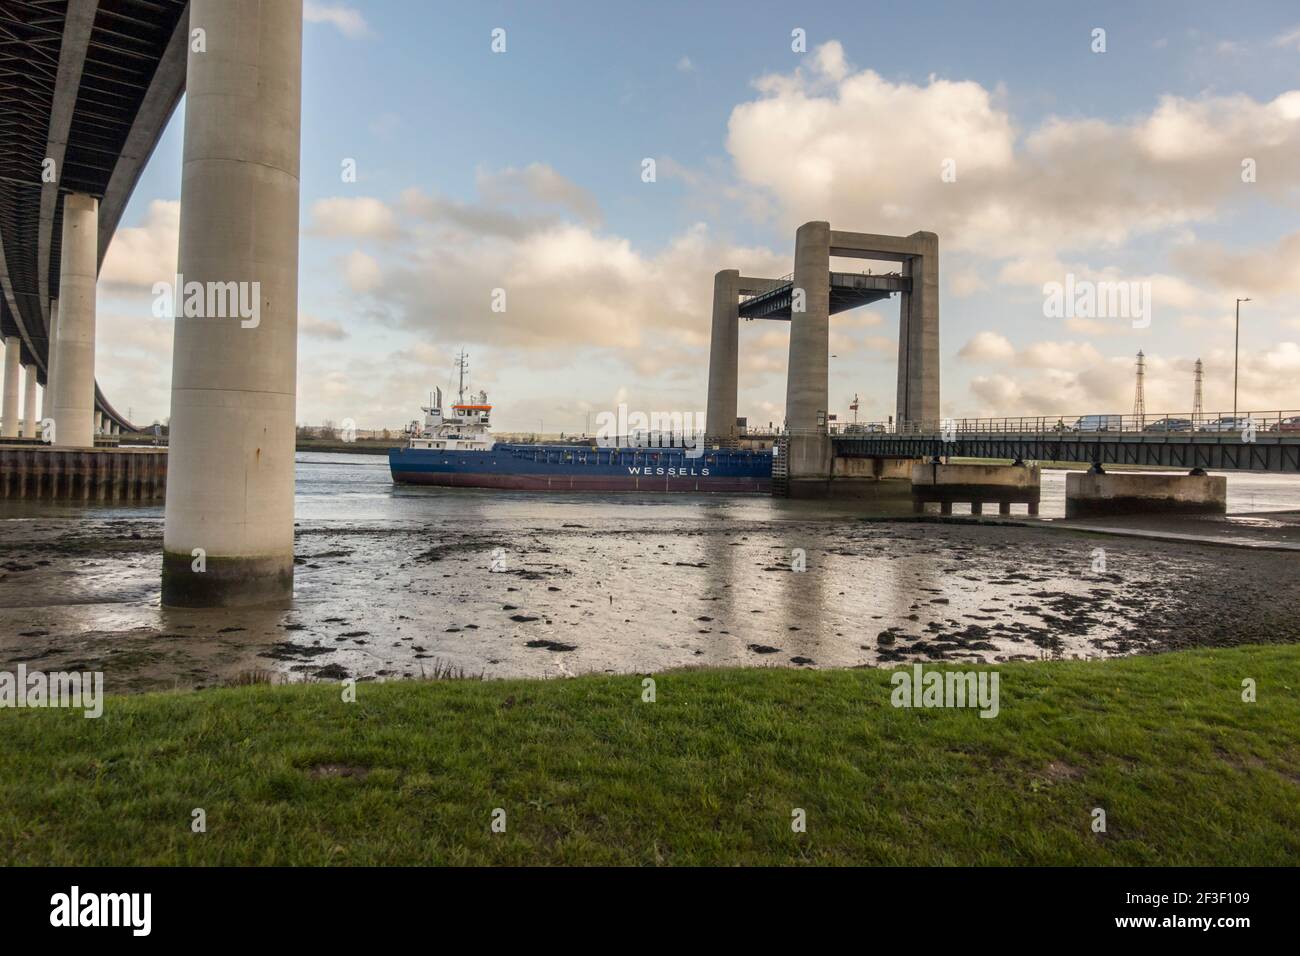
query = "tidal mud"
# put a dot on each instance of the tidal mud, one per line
(376, 600)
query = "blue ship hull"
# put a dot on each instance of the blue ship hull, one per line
(583, 468)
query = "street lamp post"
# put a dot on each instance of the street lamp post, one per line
(1236, 346)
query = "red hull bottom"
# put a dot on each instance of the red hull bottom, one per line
(633, 483)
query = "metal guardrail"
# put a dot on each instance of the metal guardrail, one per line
(1263, 441)
(1213, 423)
(1271, 442)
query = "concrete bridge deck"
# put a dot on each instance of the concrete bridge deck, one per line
(89, 87)
(1272, 444)
(848, 290)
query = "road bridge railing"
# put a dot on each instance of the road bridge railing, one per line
(1172, 424)
(1247, 441)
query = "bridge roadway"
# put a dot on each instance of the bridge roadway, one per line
(848, 290)
(1270, 446)
(88, 88)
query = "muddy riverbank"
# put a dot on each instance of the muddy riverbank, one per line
(617, 593)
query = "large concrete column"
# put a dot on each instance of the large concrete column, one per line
(73, 402)
(229, 518)
(9, 413)
(724, 358)
(99, 422)
(29, 401)
(807, 389)
(918, 336)
(51, 362)
(807, 385)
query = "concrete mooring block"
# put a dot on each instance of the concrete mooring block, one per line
(1089, 495)
(1004, 485)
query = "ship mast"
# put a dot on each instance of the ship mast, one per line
(462, 363)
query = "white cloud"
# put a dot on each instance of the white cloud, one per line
(328, 329)
(141, 255)
(1291, 38)
(567, 284)
(966, 281)
(537, 187)
(1057, 355)
(830, 138)
(360, 217)
(997, 392)
(362, 272)
(1267, 270)
(348, 20)
(987, 347)
(1048, 379)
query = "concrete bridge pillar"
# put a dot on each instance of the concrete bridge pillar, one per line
(51, 361)
(918, 335)
(807, 387)
(29, 401)
(99, 422)
(9, 413)
(73, 393)
(724, 358)
(230, 478)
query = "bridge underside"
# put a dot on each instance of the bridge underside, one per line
(88, 88)
(848, 290)
(1266, 453)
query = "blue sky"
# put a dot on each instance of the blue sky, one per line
(521, 170)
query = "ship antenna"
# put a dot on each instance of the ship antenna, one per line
(462, 361)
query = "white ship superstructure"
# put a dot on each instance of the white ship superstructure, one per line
(467, 428)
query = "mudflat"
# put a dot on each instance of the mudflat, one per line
(378, 601)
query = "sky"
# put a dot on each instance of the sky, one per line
(1170, 159)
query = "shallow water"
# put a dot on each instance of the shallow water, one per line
(358, 488)
(402, 581)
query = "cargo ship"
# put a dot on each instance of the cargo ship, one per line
(458, 451)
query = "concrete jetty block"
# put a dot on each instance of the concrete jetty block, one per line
(1004, 485)
(1089, 494)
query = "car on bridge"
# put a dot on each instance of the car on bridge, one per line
(1291, 424)
(1170, 425)
(1227, 423)
(1099, 423)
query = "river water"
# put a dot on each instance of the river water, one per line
(411, 581)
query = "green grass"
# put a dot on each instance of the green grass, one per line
(709, 774)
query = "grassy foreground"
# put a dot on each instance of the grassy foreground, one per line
(709, 773)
